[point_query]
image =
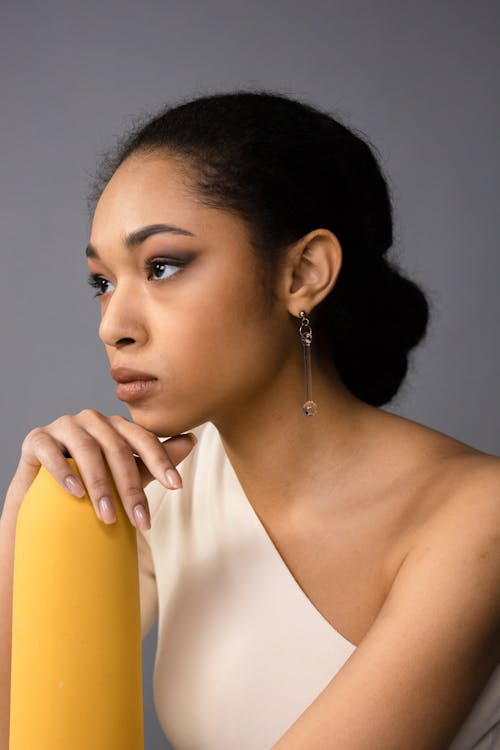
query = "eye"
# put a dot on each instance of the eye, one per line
(97, 282)
(158, 266)
(155, 269)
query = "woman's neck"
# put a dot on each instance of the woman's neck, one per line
(279, 454)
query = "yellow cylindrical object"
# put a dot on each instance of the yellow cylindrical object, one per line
(76, 677)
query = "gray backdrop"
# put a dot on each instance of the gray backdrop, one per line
(419, 79)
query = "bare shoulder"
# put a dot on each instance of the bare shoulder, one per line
(457, 497)
(442, 488)
(463, 485)
(454, 514)
(466, 517)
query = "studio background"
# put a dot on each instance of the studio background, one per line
(420, 80)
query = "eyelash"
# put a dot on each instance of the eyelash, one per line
(95, 280)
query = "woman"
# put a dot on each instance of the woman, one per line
(327, 574)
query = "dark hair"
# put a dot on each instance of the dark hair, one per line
(286, 168)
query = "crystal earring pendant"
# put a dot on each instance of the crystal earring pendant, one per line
(309, 407)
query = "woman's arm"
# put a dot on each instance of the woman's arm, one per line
(7, 533)
(8, 520)
(414, 677)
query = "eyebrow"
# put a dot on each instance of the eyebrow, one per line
(139, 235)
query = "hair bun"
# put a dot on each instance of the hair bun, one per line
(375, 318)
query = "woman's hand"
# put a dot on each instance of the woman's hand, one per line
(94, 440)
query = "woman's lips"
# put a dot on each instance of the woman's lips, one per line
(136, 389)
(124, 374)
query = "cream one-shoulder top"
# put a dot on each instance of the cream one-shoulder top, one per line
(241, 650)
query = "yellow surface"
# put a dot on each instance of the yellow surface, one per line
(76, 679)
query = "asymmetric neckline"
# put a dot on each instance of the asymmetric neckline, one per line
(238, 491)
(240, 644)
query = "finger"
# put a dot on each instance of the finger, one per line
(40, 448)
(119, 456)
(95, 441)
(129, 484)
(89, 458)
(151, 461)
(158, 458)
(182, 445)
(179, 446)
(97, 448)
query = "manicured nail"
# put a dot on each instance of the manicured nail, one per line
(74, 486)
(173, 479)
(141, 517)
(107, 510)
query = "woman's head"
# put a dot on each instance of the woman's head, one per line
(266, 181)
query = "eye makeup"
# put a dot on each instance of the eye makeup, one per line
(151, 266)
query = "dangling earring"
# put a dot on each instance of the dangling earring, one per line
(309, 407)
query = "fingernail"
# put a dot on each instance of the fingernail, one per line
(74, 486)
(141, 517)
(107, 511)
(173, 479)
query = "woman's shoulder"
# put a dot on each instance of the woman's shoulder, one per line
(444, 600)
(458, 477)
(439, 465)
(434, 488)
(463, 501)
(457, 491)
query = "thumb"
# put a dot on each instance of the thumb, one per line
(177, 448)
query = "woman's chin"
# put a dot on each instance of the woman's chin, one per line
(160, 426)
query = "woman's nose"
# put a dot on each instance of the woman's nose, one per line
(121, 320)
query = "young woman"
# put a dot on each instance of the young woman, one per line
(326, 573)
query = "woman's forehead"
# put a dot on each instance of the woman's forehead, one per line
(147, 191)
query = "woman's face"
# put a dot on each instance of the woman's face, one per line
(189, 309)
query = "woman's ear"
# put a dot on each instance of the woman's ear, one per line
(311, 270)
